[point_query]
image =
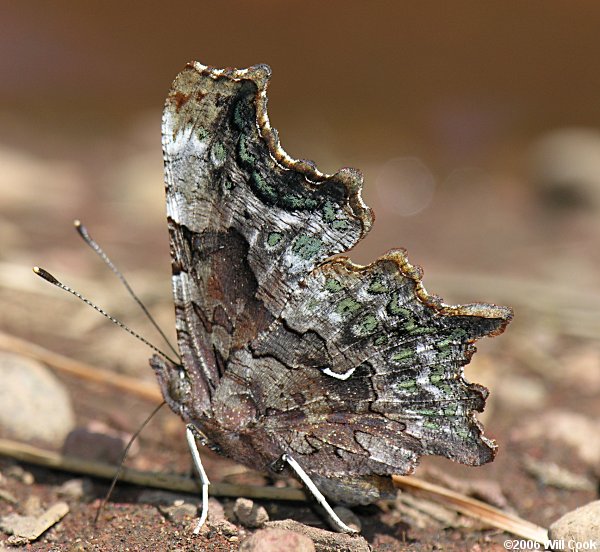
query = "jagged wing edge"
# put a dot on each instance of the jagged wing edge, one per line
(352, 180)
(399, 257)
(260, 74)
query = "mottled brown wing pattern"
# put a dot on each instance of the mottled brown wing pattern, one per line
(355, 371)
(246, 222)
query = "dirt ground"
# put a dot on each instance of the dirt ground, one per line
(501, 224)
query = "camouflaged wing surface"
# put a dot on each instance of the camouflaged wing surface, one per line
(352, 370)
(247, 223)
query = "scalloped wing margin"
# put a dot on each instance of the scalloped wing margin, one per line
(246, 222)
(383, 379)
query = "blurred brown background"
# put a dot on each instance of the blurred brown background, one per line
(476, 125)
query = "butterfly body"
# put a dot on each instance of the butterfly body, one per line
(286, 349)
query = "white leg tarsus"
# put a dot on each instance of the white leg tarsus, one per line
(191, 439)
(303, 476)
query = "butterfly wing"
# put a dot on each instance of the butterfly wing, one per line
(352, 370)
(362, 373)
(246, 222)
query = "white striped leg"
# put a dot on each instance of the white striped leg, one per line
(191, 433)
(303, 476)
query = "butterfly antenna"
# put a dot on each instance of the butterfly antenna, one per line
(49, 278)
(85, 235)
(122, 462)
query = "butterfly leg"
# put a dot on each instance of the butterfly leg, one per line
(308, 482)
(191, 433)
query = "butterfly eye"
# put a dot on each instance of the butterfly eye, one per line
(179, 387)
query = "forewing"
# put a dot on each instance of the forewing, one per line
(247, 223)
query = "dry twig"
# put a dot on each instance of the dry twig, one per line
(474, 508)
(171, 482)
(78, 369)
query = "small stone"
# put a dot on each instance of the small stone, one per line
(276, 540)
(97, 442)
(75, 489)
(216, 512)
(180, 512)
(158, 497)
(29, 528)
(34, 404)
(348, 517)
(32, 506)
(323, 541)
(250, 514)
(580, 526)
(8, 497)
(18, 473)
(222, 526)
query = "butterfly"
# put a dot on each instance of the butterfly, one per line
(287, 348)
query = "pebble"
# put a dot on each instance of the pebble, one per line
(216, 512)
(97, 442)
(158, 497)
(75, 489)
(276, 540)
(28, 528)
(581, 526)
(34, 404)
(323, 541)
(249, 514)
(17, 472)
(179, 512)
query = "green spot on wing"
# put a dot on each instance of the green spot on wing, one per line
(368, 325)
(244, 153)
(378, 286)
(451, 410)
(328, 212)
(431, 425)
(402, 354)
(381, 340)
(294, 201)
(263, 188)
(347, 306)
(425, 412)
(340, 225)
(457, 335)
(395, 308)
(331, 284)
(218, 152)
(274, 238)
(306, 247)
